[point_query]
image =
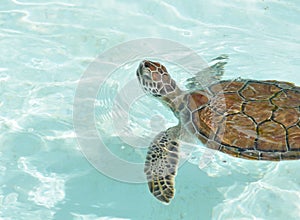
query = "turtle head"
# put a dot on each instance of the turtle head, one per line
(155, 79)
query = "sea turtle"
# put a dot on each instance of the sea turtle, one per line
(248, 119)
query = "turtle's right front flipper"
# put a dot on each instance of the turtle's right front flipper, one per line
(162, 163)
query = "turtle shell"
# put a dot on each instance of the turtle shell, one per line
(249, 119)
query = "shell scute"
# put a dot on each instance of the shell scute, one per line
(263, 110)
(237, 130)
(294, 138)
(227, 103)
(259, 91)
(226, 86)
(271, 137)
(207, 121)
(196, 100)
(287, 117)
(287, 99)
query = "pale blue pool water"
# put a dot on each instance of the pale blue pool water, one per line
(46, 46)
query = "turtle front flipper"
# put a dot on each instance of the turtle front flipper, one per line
(162, 163)
(208, 75)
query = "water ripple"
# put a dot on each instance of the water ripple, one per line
(51, 189)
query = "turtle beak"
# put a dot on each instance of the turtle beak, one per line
(143, 70)
(139, 70)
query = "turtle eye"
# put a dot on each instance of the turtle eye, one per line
(147, 65)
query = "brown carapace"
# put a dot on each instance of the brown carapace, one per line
(249, 119)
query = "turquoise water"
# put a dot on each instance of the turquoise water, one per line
(46, 47)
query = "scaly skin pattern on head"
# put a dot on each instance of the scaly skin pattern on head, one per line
(155, 80)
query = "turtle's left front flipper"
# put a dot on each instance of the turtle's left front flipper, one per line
(208, 75)
(162, 163)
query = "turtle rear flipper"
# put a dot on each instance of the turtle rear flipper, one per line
(208, 75)
(161, 165)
